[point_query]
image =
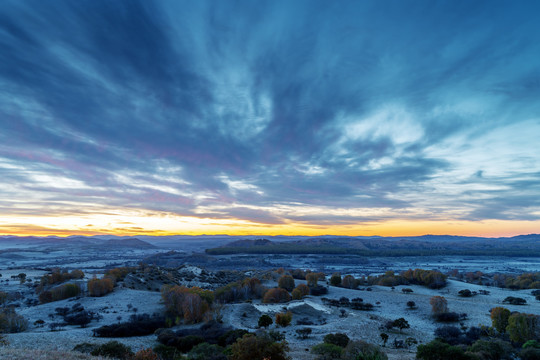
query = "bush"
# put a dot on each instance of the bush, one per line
(259, 347)
(335, 280)
(265, 321)
(60, 292)
(529, 354)
(338, 339)
(231, 336)
(401, 324)
(438, 304)
(113, 349)
(327, 351)
(167, 352)
(411, 304)
(189, 304)
(145, 354)
(300, 291)
(362, 306)
(514, 301)
(249, 288)
(318, 290)
(11, 322)
(465, 293)
(283, 319)
(438, 350)
(349, 282)
(362, 350)
(449, 334)
(431, 278)
(139, 325)
(276, 295)
(531, 343)
(492, 349)
(522, 327)
(304, 333)
(85, 348)
(286, 282)
(499, 318)
(449, 317)
(100, 287)
(206, 351)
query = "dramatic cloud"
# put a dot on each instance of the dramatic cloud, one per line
(270, 113)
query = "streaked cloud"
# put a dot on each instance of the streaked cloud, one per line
(270, 114)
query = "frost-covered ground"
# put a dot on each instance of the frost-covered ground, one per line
(389, 305)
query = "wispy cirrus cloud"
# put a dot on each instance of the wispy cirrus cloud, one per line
(237, 111)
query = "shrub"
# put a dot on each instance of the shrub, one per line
(304, 332)
(406, 290)
(139, 325)
(531, 343)
(100, 287)
(57, 276)
(265, 321)
(85, 348)
(283, 319)
(499, 318)
(3, 298)
(338, 339)
(286, 282)
(411, 304)
(119, 274)
(189, 304)
(318, 290)
(514, 300)
(401, 324)
(492, 349)
(529, 354)
(438, 304)
(431, 278)
(335, 279)
(186, 343)
(327, 351)
(262, 346)
(449, 317)
(361, 306)
(11, 322)
(276, 295)
(465, 293)
(449, 334)
(362, 350)
(313, 278)
(60, 292)
(349, 282)
(438, 350)
(206, 351)
(296, 294)
(167, 352)
(113, 349)
(522, 327)
(300, 291)
(249, 288)
(231, 336)
(145, 354)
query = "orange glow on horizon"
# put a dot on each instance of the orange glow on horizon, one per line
(160, 224)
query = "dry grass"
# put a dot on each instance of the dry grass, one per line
(27, 354)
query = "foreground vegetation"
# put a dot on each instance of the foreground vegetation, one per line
(190, 324)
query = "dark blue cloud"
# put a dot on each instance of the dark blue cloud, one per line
(232, 109)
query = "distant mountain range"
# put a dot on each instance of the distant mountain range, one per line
(74, 241)
(522, 245)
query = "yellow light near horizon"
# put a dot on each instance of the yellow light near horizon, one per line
(155, 223)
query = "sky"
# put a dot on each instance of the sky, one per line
(269, 117)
